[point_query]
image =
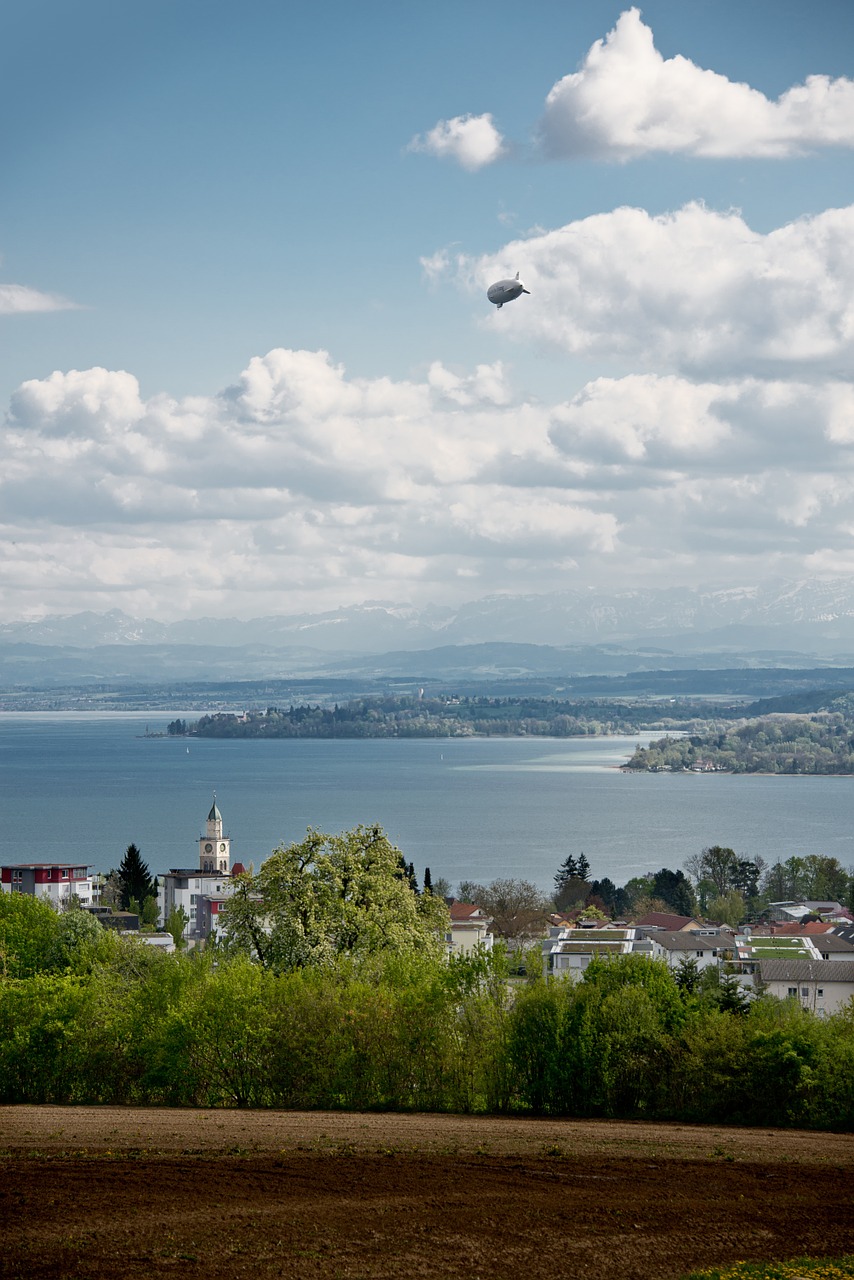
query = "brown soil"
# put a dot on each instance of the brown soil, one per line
(98, 1192)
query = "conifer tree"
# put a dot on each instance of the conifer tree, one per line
(428, 881)
(135, 878)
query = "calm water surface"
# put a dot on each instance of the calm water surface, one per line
(80, 788)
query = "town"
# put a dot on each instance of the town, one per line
(642, 986)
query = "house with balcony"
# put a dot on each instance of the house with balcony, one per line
(59, 882)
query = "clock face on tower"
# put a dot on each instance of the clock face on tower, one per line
(208, 848)
(222, 848)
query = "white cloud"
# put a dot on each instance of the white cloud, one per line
(18, 298)
(627, 100)
(691, 290)
(472, 141)
(300, 487)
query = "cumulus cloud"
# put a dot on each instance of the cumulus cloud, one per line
(301, 487)
(472, 141)
(17, 298)
(694, 290)
(627, 100)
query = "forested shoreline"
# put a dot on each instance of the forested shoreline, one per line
(804, 744)
(395, 716)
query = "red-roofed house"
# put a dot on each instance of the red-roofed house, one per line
(469, 927)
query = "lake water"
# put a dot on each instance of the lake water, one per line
(80, 788)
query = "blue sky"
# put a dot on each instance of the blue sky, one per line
(190, 186)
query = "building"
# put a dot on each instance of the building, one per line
(822, 986)
(569, 951)
(674, 946)
(59, 882)
(796, 909)
(469, 927)
(201, 890)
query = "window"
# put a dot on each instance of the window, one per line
(700, 954)
(820, 993)
(805, 992)
(793, 991)
(65, 873)
(193, 898)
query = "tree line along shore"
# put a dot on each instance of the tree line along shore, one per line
(794, 734)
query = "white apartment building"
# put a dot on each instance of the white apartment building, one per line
(56, 881)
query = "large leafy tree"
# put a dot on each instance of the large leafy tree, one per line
(330, 896)
(135, 878)
(517, 907)
(717, 864)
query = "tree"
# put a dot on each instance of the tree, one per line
(176, 922)
(687, 974)
(826, 878)
(111, 891)
(573, 893)
(518, 909)
(715, 863)
(134, 878)
(148, 918)
(571, 868)
(331, 896)
(729, 908)
(674, 888)
(440, 887)
(637, 891)
(732, 997)
(428, 881)
(615, 901)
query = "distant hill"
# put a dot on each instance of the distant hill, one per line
(780, 626)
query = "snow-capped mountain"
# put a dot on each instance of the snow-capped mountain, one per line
(810, 616)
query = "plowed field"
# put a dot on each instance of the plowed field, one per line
(124, 1192)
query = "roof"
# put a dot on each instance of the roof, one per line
(196, 873)
(467, 911)
(831, 942)
(665, 920)
(238, 869)
(40, 866)
(678, 940)
(798, 929)
(806, 971)
(214, 815)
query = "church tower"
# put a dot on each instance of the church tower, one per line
(214, 847)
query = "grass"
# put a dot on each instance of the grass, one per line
(809, 1268)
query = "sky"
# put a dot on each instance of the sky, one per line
(247, 363)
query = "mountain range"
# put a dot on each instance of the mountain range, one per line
(778, 623)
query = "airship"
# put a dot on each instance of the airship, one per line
(505, 291)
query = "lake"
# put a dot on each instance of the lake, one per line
(81, 787)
